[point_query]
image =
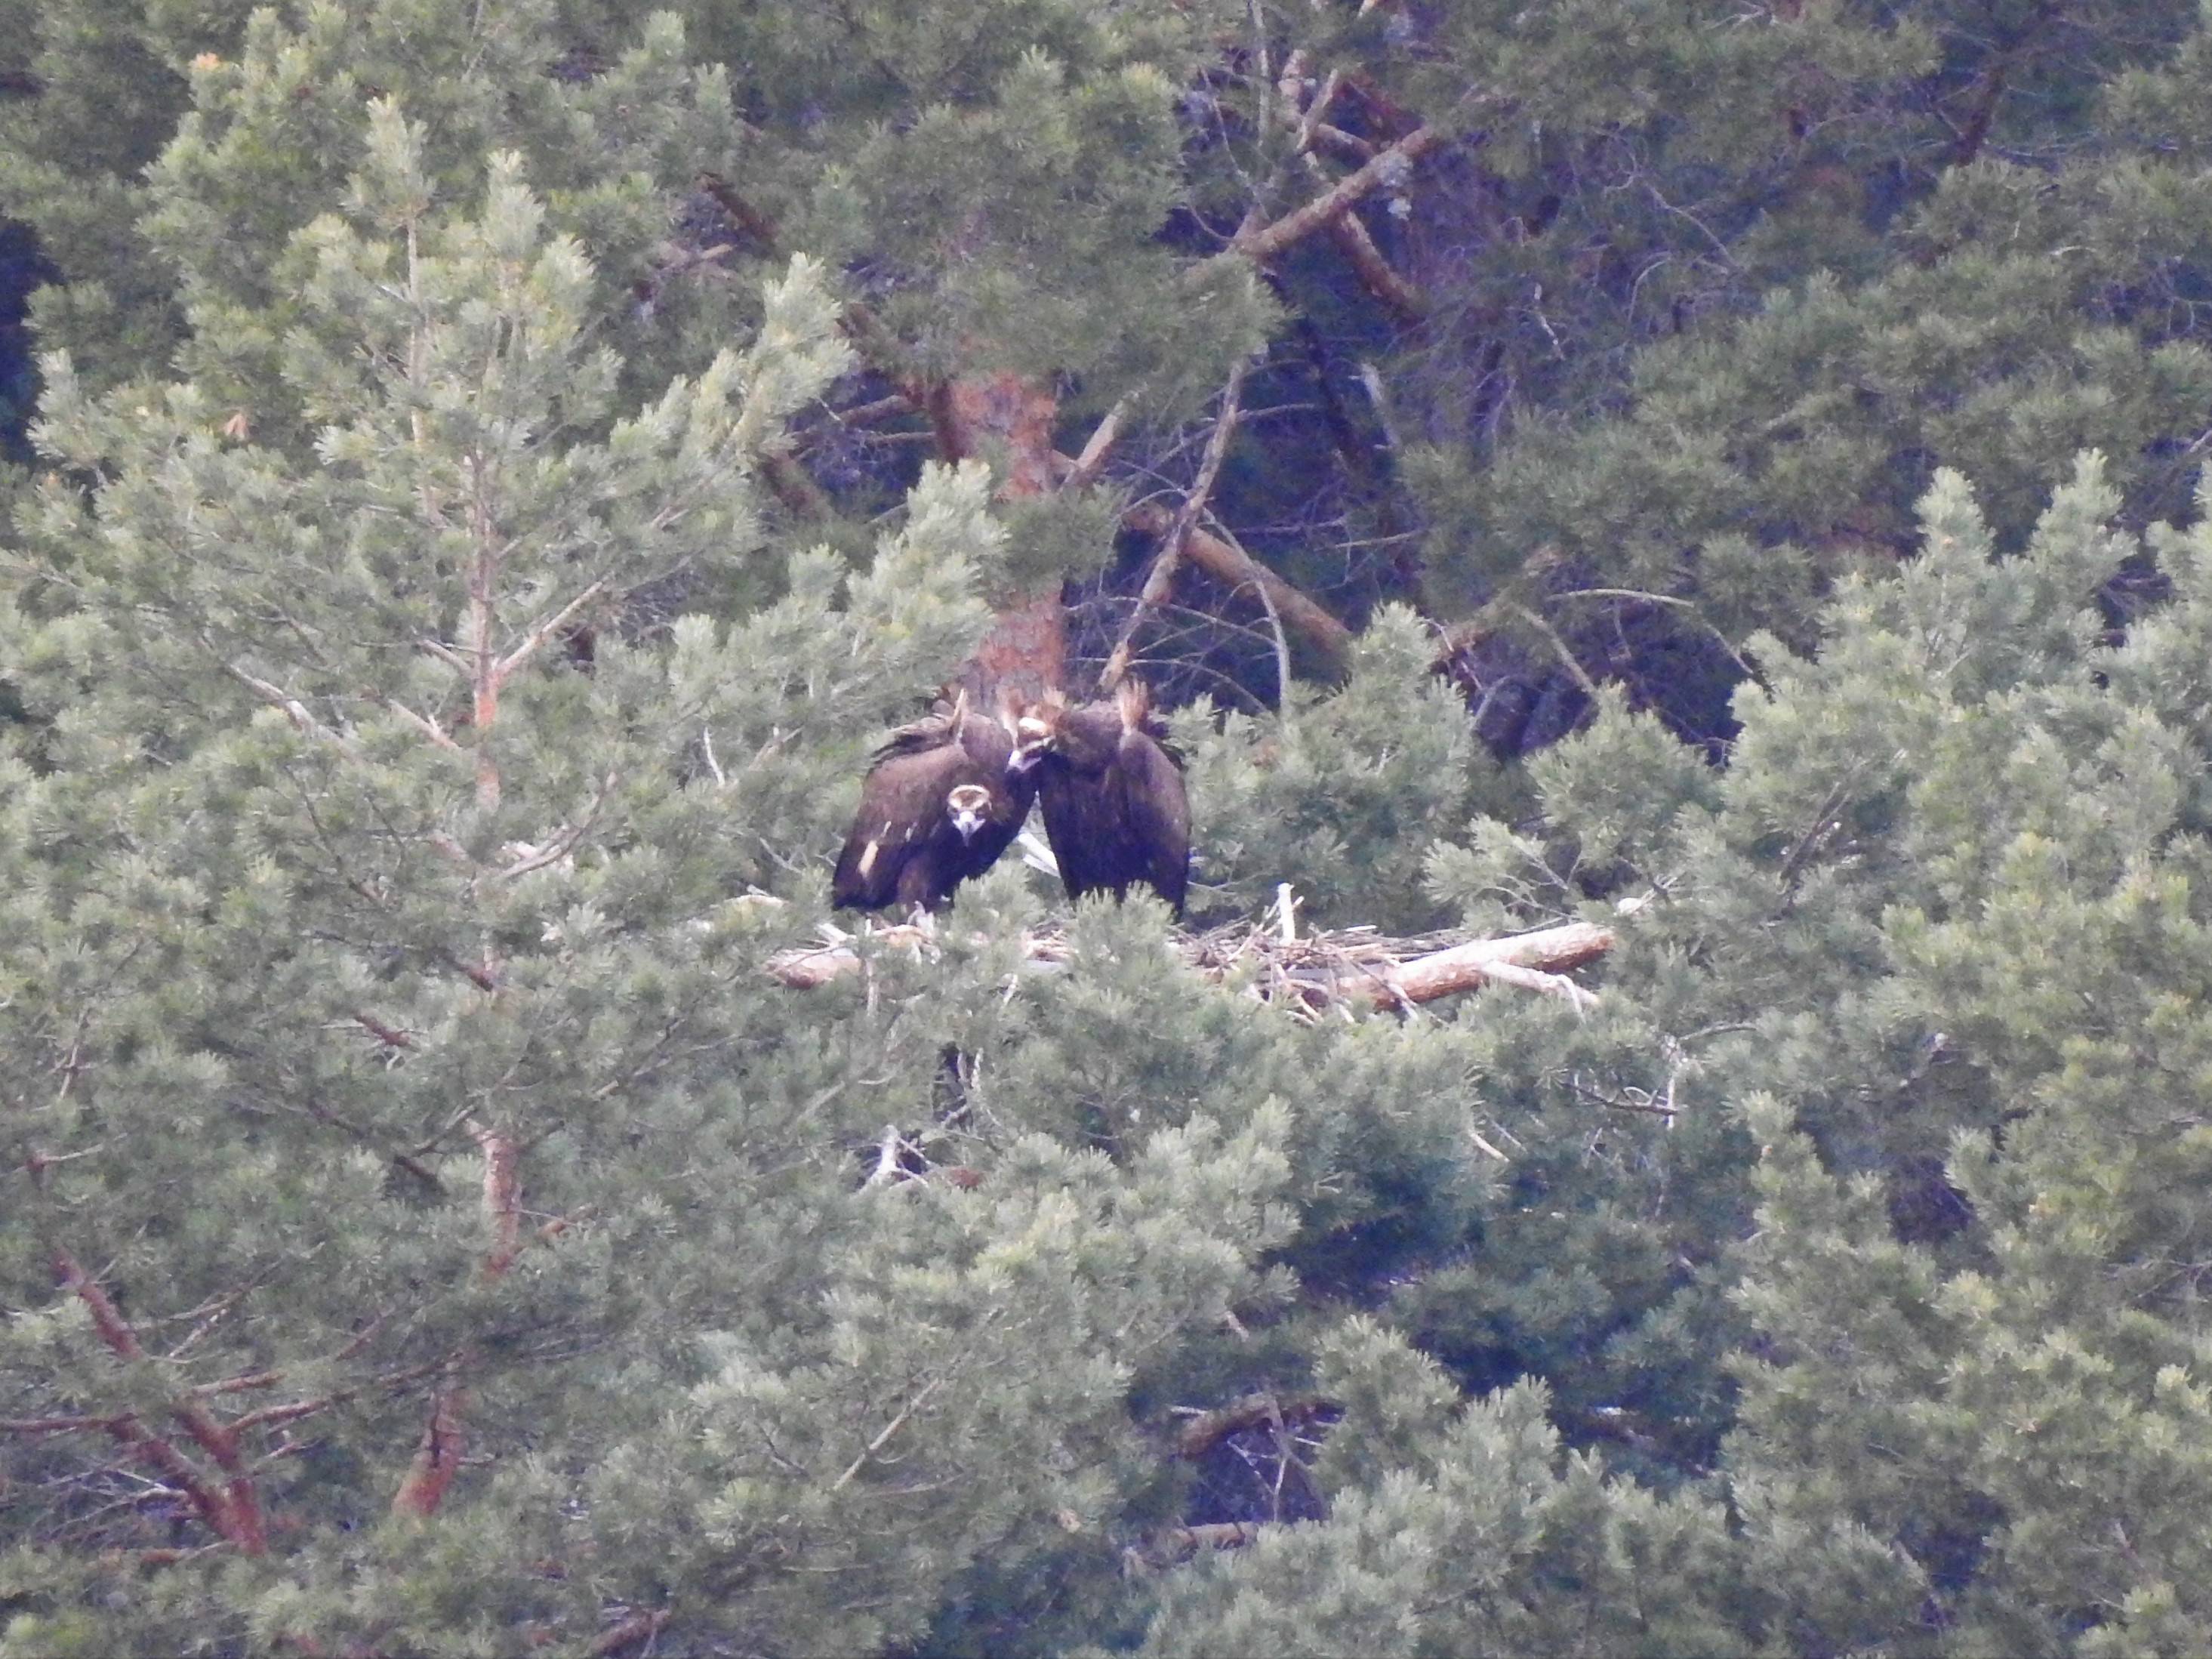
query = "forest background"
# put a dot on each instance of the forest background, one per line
(1720, 473)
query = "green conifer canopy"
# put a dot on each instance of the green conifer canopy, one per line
(500, 469)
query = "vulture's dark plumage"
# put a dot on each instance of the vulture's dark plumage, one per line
(940, 804)
(1111, 792)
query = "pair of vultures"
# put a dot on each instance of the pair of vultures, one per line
(948, 794)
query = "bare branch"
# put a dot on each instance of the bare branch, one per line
(1376, 271)
(1084, 468)
(1233, 568)
(444, 653)
(423, 723)
(1177, 1543)
(537, 636)
(292, 709)
(1567, 658)
(391, 1036)
(638, 1627)
(1203, 1431)
(1688, 607)
(231, 1510)
(1463, 967)
(564, 843)
(890, 1429)
(1387, 169)
(1160, 580)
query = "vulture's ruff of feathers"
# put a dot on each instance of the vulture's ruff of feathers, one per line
(1111, 791)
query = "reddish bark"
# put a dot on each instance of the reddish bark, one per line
(231, 1507)
(437, 1456)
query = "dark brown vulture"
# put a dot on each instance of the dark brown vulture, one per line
(1112, 794)
(939, 806)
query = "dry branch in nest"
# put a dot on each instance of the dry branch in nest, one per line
(1353, 968)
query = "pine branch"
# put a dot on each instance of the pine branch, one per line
(505, 667)
(391, 1036)
(952, 416)
(58, 1425)
(791, 485)
(1376, 271)
(889, 1430)
(292, 708)
(294, 1410)
(484, 677)
(444, 653)
(1235, 568)
(1688, 608)
(423, 723)
(501, 1196)
(232, 1509)
(1160, 580)
(1206, 1430)
(1388, 168)
(564, 843)
(1571, 663)
(1180, 1543)
(438, 1452)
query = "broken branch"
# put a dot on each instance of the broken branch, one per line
(1388, 167)
(1233, 568)
(1204, 1431)
(505, 667)
(1160, 580)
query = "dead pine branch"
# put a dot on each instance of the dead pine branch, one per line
(1387, 169)
(1352, 238)
(883, 1439)
(1375, 273)
(1202, 1432)
(292, 708)
(1233, 568)
(1083, 472)
(1160, 581)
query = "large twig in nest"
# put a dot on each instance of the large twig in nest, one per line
(1320, 970)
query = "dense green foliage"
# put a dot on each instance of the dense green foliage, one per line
(499, 468)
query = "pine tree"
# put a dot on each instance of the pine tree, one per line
(509, 463)
(1930, 950)
(393, 1092)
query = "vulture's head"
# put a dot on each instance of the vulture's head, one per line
(1037, 729)
(968, 806)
